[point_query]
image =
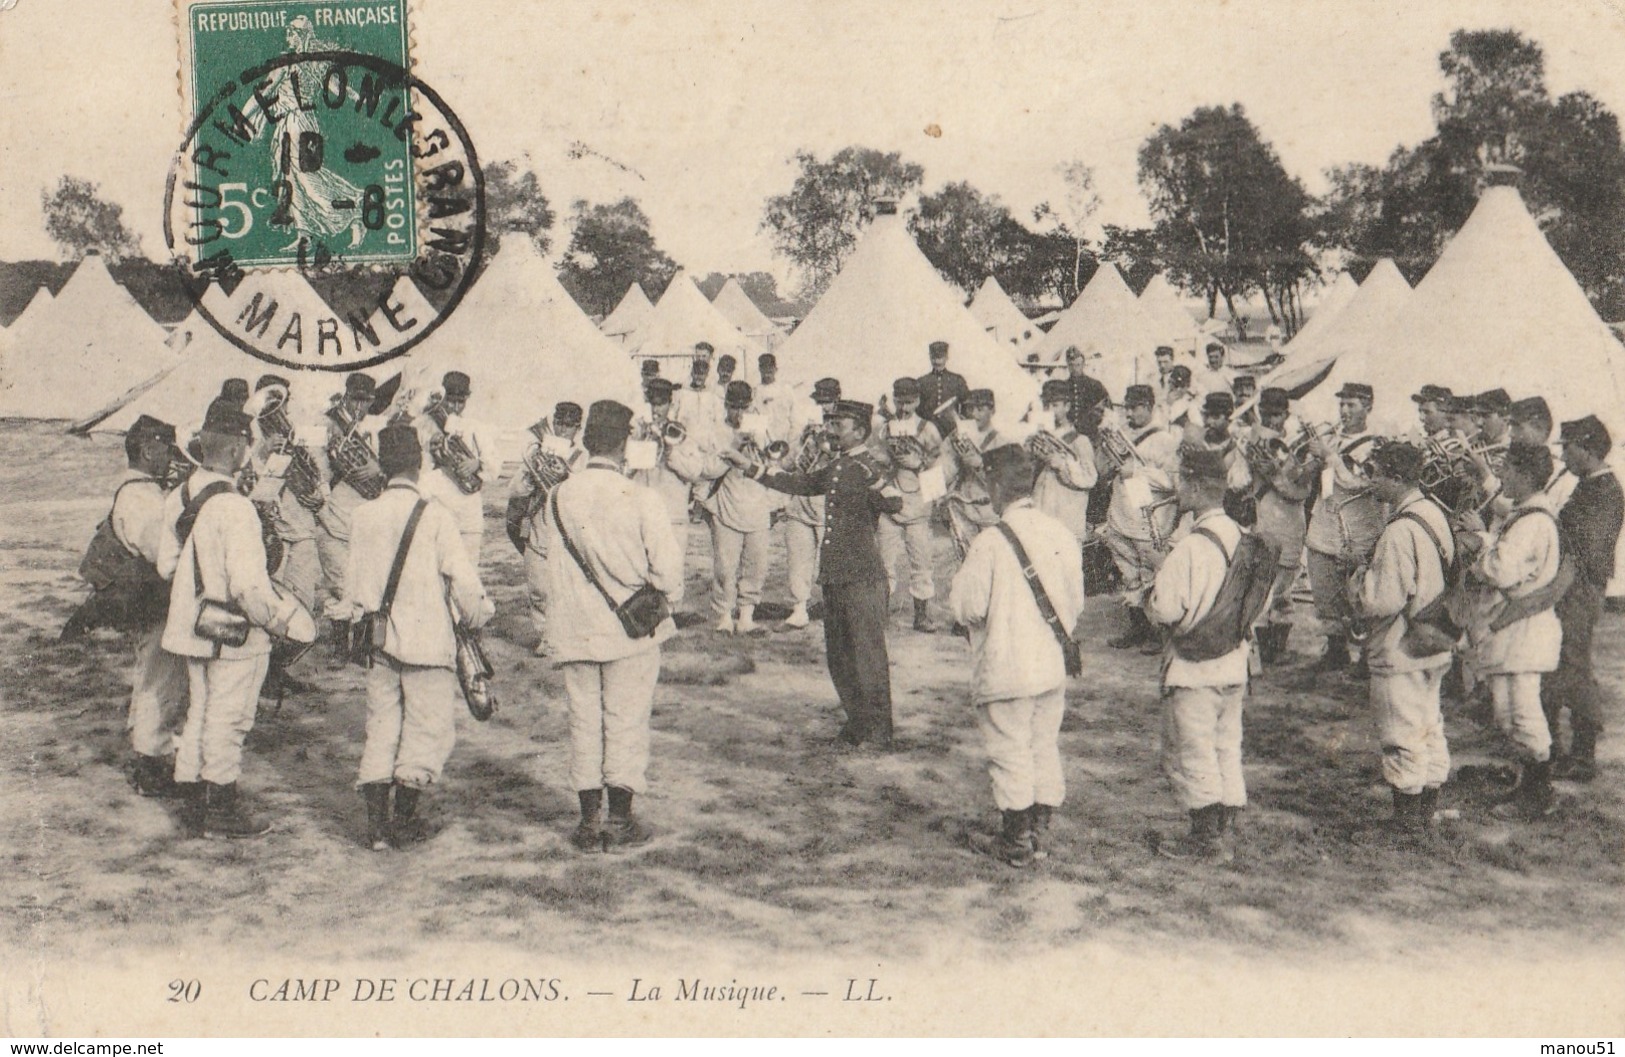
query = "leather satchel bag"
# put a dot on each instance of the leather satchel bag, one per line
(642, 614)
(370, 631)
(222, 623)
(1431, 630)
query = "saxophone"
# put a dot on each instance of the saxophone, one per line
(449, 451)
(351, 454)
(303, 477)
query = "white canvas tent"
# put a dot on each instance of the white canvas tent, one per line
(632, 312)
(683, 317)
(1176, 326)
(525, 345)
(1348, 344)
(409, 313)
(1000, 317)
(880, 314)
(182, 395)
(1499, 310)
(80, 351)
(1332, 302)
(1107, 323)
(737, 307)
(36, 307)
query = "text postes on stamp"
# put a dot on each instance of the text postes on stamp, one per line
(312, 153)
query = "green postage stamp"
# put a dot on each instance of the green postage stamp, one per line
(309, 100)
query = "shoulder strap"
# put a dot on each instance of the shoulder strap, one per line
(400, 556)
(1438, 545)
(1046, 608)
(586, 570)
(1353, 444)
(1202, 530)
(192, 506)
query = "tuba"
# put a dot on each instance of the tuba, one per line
(547, 468)
(303, 478)
(449, 451)
(351, 454)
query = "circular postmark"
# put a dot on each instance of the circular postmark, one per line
(329, 166)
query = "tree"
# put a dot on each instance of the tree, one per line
(514, 202)
(1495, 111)
(817, 223)
(1134, 252)
(1043, 265)
(79, 220)
(760, 287)
(1078, 207)
(610, 249)
(1228, 217)
(965, 234)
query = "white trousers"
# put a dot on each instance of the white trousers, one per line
(609, 720)
(411, 723)
(739, 564)
(1410, 727)
(911, 543)
(536, 586)
(1518, 713)
(1201, 745)
(219, 714)
(801, 543)
(1022, 737)
(1137, 563)
(158, 695)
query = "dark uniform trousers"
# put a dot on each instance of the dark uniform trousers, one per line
(1591, 521)
(859, 666)
(854, 584)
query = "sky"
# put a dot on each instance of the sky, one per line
(697, 107)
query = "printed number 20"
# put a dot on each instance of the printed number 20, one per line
(185, 990)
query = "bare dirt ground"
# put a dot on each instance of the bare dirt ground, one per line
(768, 842)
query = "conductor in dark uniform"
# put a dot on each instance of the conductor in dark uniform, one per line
(939, 387)
(851, 571)
(1591, 523)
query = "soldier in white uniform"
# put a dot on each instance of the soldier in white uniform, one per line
(527, 501)
(1407, 575)
(158, 686)
(906, 535)
(1529, 421)
(412, 690)
(481, 456)
(333, 541)
(1018, 665)
(970, 505)
(698, 406)
(774, 400)
(1215, 376)
(1345, 521)
(1281, 491)
(1518, 559)
(1137, 535)
(1202, 699)
(215, 552)
(1065, 477)
(741, 512)
(623, 534)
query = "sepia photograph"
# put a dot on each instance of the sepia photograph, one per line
(1016, 518)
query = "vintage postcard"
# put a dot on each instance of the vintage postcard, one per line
(811, 519)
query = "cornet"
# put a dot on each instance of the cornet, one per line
(1045, 445)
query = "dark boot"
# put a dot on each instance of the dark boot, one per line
(407, 828)
(1429, 806)
(1336, 657)
(1264, 635)
(155, 776)
(1580, 765)
(1139, 633)
(376, 797)
(338, 644)
(922, 619)
(1015, 847)
(227, 817)
(1204, 842)
(622, 830)
(1041, 814)
(589, 834)
(1533, 799)
(194, 806)
(1280, 633)
(1407, 820)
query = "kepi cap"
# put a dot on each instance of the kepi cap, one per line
(399, 449)
(225, 418)
(1432, 394)
(826, 390)
(738, 395)
(567, 413)
(148, 428)
(905, 389)
(1589, 433)
(1139, 396)
(456, 383)
(1055, 391)
(1356, 391)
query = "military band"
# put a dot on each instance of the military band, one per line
(1468, 516)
